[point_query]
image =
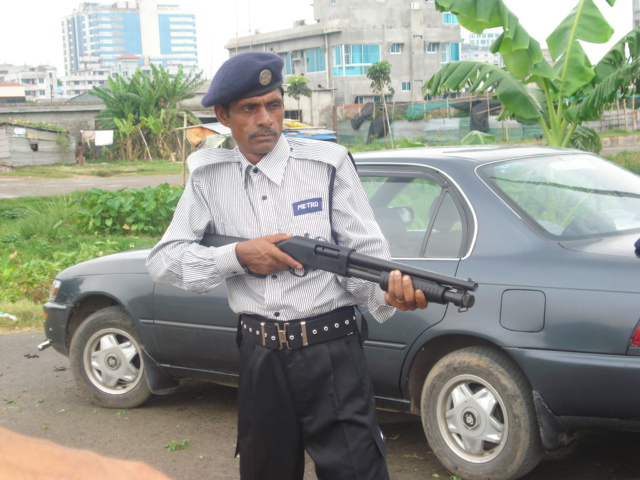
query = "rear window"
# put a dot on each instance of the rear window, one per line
(568, 196)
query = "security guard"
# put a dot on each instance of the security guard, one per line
(304, 383)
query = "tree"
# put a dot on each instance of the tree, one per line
(380, 75)
(136, 99)
(558, 97)
(297, 87)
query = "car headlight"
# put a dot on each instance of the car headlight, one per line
(53, 291)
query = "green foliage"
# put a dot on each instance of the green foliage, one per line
(380, 75)
(145, 211)
(174, 445)
(44, 126)
(563, 95)
(475, 137)
(14, 213)
(587, 139)
(297, 87)
(134, 106)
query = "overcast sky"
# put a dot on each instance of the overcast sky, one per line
(30, 30)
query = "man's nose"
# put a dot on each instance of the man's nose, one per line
(264, 117)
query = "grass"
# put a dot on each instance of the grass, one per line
(38, 239)
(102, 169)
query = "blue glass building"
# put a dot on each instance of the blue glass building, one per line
(103, 35)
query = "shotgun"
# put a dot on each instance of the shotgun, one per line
(346, 262)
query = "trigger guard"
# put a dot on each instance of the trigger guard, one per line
(295, 273)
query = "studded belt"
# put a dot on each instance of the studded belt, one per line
(280, 335)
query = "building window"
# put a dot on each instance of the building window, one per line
(315, 60)
(354, 59)
(406, 86)
(288, 65)
(396, 48)
(333, 2)
(449, 52)
(448, 18)
(431, 47)
(415, 5)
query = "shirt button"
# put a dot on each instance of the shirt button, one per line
(274, 277)
(264, 197)
(277, 314)
(306, 234)
(255, 170)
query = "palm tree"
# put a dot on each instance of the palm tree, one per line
(558, 97)
(148, 103)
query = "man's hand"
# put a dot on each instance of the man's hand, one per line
(400, 293)
(28, 458)
(260, 255)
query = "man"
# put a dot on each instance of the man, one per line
(291, 396)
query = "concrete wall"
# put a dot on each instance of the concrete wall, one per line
(18, 146)
(71, 117)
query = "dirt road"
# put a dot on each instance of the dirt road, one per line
(12, 187)
(38, 397)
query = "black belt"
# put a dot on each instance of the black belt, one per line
(298, 333)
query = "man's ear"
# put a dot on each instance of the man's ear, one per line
(221, 115)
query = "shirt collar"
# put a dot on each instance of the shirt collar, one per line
(273, 164)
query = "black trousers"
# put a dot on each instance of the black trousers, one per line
(317, 398)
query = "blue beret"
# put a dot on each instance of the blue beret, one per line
(244, 75)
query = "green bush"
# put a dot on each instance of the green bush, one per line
(146, 211)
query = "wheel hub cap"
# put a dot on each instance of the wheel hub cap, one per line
(470, 419)
(112, 362)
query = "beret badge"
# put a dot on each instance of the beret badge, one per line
(265, 77)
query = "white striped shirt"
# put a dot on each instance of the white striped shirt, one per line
(228, 195)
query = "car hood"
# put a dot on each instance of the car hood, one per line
(618, 246)
(128, 262)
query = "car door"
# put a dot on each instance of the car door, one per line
(422, 216)
(195, 332)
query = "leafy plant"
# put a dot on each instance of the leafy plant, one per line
(380, 75)
(297, 87)
(15, 213)
(475, 137)
(147, 211)
(131, 101)
(174, 445)
(565, 94)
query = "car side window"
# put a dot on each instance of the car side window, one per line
(416, 215)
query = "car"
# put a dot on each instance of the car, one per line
(550, 347)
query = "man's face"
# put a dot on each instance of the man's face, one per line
(255, 123)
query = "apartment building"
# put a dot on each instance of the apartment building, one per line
(349, 35)
(40, 82)
(101, 40)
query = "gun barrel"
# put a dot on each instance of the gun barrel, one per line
(379, 264)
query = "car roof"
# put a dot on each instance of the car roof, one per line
(460, 154)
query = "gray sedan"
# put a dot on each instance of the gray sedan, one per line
(551, 346)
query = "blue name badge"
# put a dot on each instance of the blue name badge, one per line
(307, 206)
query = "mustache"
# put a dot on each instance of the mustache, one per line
(263, 131)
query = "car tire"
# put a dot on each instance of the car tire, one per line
(478, 415)
(106, 360)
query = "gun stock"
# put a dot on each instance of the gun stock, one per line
(346, 262)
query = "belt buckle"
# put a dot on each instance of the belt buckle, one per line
(282, 335)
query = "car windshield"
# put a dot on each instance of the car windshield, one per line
(569, 196)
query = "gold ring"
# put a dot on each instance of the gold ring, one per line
(399, 301)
